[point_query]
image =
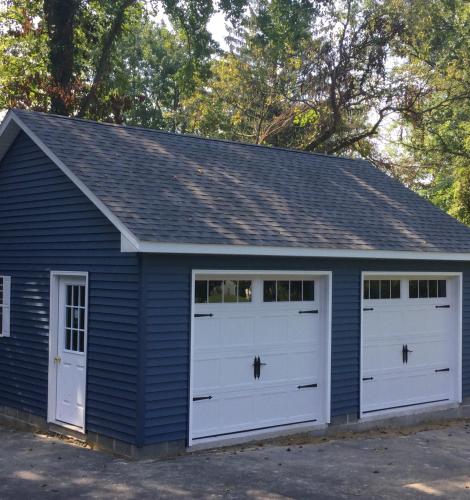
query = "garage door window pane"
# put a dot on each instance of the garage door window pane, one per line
(282, 291)
(200, 292)
(244, 291)
(295, 290)
(413, 289)
(215, 291)
(269, 291)
(385, 289)
(395, 291)
(374, 288)
(309, 290)
(423, 289)
(432, 288)
(230, 291)
(442, 288)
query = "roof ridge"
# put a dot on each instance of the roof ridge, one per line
(193, 136)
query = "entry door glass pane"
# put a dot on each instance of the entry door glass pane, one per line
(75, 318)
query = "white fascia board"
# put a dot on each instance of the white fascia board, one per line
(266, 251)
(8, 134)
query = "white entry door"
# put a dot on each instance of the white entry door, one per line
(70, 361)
(259, 353)
(410, 341)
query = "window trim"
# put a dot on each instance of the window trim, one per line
(5, 306)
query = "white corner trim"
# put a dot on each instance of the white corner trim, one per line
(11, 119)
(128, 246)
(209, 249)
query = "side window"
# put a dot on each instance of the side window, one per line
(222, 291)
(5, 292)
(381, 289)
(288, 290)
(427, 289)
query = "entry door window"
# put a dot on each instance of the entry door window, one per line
(75, 318)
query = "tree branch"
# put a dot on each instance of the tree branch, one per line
(103, 61)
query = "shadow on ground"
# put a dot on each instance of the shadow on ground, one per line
(428, 464)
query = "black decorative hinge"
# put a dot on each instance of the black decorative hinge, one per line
(443, 370)
(447, 306)
(311, 311)
(307, 386)
(368, 309)
(201, 398)
(203, 315)
(368, 378)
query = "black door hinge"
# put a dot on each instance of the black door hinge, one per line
(443, 370)
(307, 386)
(203, 315)
(447, 306)
(368, 309)
(201, 398)
(311, 311)
(368, 378)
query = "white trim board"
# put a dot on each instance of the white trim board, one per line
(328, 299)
(12, 125)
(210, 249)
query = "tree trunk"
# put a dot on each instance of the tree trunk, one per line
(60, 16)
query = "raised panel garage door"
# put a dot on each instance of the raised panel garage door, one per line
(259, 353)
(410, 341)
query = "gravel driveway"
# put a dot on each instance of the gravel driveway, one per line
(428, 463)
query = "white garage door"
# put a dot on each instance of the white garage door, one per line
(410, 339)
(259, 353)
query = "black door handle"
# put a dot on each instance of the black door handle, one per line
(256, 367)
(405, 351)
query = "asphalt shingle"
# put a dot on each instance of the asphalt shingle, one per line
(184, 189)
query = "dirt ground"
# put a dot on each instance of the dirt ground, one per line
(431, 461)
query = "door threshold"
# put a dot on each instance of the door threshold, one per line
(62, 427)
(241, 437)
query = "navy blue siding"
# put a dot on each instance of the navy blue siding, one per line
(47, 224)
(167, 282)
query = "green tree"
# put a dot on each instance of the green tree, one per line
(433, 147)
(73, 42)
(320, 84)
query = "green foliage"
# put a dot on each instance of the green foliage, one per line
(386, 80)
(23, 63)
(436, 59)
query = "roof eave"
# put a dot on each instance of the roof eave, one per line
(271, 251)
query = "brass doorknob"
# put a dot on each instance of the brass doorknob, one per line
(57, 359)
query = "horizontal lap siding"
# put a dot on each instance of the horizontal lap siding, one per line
(167, 301)
(47, 224)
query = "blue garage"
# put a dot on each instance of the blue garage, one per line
(160, 291)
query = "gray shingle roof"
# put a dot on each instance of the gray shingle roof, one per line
(178, 188)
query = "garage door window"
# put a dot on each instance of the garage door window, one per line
(288, 290)
(427, 289)
(222, 291)
(381, 289)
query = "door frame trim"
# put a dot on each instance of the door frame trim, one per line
(272, 272)
(55, 277)
(459, 303)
